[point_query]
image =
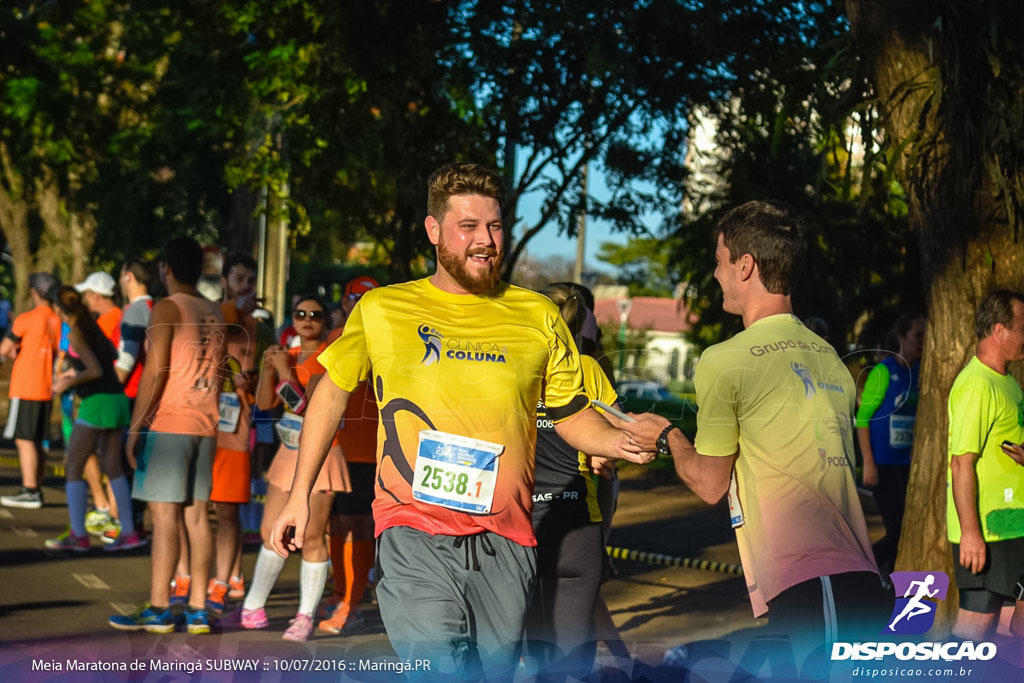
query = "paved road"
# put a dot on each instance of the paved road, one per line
(55, 604)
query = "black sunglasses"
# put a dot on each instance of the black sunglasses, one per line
(312, 315)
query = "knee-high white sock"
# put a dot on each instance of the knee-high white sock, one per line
(311, 585)
(264, 576)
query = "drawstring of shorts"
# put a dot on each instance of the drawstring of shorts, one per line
(485, 543)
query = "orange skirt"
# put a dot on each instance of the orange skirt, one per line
(333, 475)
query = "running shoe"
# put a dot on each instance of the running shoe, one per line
(69, 541)
(125, 542)
(237, 584)
(342, 621)
(146, 618)
(325, 610)
(180, 586)
(216, 595)
(300, 628)
(254, 618)
(198, 620)
(24, 498)
(96, 521)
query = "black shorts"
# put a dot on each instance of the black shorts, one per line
(1001, 579)
(360, 501)
(848, 607)
(29, 420)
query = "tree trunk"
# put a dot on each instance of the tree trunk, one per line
(68, 235)
(14, 224)
(968, 249)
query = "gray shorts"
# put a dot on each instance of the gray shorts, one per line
(174, 468)
(458, 601)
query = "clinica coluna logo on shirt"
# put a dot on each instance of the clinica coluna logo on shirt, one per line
(477, 351)
(437, 346)
(432, 342)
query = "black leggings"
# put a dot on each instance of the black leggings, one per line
(891, 496)
(87, 440)
(560, 621)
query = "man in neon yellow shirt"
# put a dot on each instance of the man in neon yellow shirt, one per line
(774, 431)
(458, 362)
(985, 491)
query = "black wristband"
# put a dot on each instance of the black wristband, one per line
(662, 442)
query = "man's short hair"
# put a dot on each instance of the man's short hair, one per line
(141, 269)
(238, 259)
(461, 178)
(44, 284)
(997, 307)
(184, 257)
(771, 232)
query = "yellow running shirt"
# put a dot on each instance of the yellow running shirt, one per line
(985, 409)
(779, 395)
(457, 379)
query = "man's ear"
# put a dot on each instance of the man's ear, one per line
(747, 266)
(433, 230)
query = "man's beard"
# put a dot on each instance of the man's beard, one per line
(455, 265)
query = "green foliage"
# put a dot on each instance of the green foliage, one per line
(642, 264)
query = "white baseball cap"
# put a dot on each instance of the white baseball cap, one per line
(99, 282)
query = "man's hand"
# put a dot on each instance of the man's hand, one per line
(602, 467)
(628, 449)
(1015, 451)
(290, 526)
(245, 305)
(130, 447)
(870, 474)
(972, 551)
(644, 432)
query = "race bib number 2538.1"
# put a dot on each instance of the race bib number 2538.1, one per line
(456, 472)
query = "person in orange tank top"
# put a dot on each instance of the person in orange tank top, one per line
(173, 435)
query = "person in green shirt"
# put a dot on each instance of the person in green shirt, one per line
(985, 492)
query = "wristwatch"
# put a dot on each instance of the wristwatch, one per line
(662, 442)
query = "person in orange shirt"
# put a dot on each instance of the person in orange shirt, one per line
(247, 339)
(173, 435)
(32, 343)
(351, 531)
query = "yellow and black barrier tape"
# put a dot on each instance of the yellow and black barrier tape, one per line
(54, 468)
(658, 558)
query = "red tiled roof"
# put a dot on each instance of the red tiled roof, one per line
(648, 312)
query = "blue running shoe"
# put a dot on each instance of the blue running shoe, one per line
(198, 620)
(146, 618)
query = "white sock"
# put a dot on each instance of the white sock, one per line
(311, 585)
(264, 576)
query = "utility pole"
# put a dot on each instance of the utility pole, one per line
(581, 230)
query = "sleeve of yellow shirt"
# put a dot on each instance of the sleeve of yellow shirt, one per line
(718, 428)
(563, 381)
(970, 418)
(596, 383)
(347, 359)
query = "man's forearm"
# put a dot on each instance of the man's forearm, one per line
(588, 432)
(324, 412)
(965, 493)
(706, 476)
(864, 439)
